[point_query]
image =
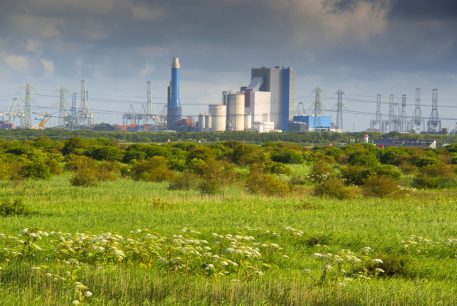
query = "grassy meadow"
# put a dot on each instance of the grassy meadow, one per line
(293, 250)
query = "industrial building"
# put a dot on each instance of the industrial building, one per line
(280, 83)
(305, 123)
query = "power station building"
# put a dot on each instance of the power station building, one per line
(280, 83)
(266, 104)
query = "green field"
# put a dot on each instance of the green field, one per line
(417, 270)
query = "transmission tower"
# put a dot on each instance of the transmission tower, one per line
(339, 110)
(62, 107)
(73, 117)
(26, 123)
(434, 123)
(317, 102)
(417, 120)
(403, 117)
(317, 108)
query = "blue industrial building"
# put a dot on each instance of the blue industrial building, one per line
(315, 122)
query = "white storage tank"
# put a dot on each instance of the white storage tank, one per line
(218, 114)
(208, 122)
(201, 122)
(236, 111)
(247, 121)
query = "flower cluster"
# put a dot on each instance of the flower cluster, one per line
(421, 245)
(346, 265)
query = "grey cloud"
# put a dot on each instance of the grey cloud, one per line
(423, 9)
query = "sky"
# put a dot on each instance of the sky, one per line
(364, 47)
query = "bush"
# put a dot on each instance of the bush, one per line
(387, 171)
(363, 158)
(154, 169)
(105, 153)
(35, 170)
(208, 186)
(75, 162)
(278, 168)
(184, 181)
(108, 171)
(355, 175)
(73, 145)
(54, 166)
(286, 156)
(333, 188)
(435, 176)
(261, 183)
(381, 187)
(13, 208)
(321, 171)
(216, 175)
(407, 167)
(299, 180)
(85, 177)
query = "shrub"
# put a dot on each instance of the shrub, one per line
(261, 183)
(75, 162)
(381, 187)
(154, 169)
(288, 157)
(208, 186)
(387, 171)
(133, 155)
(108, 171)
(184, 181)
(393, 156)
(321, 171)
(35, 170)
(435, 176)
(215, 175)
(73, 145)
(278, 168)
(425, 161)
(363, 158)
(13, 208)
(105, 153)
(333, 188)
(85, 177)
(355, 175)
(407, 167)
(54, 166)
(299, 180)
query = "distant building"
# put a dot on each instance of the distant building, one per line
(415, 143)
(305, 123)
(258, 105)
(279, 81)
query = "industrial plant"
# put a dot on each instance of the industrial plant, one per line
(399, 121)
(265, 104)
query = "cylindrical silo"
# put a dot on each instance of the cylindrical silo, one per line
(218, 117)
(247, 121)
(236, 111)
(208, 122)
(201, 121)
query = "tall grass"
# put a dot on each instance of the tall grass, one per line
(301, 225)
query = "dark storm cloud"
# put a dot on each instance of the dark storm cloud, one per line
(122, 37)
(420, 9)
